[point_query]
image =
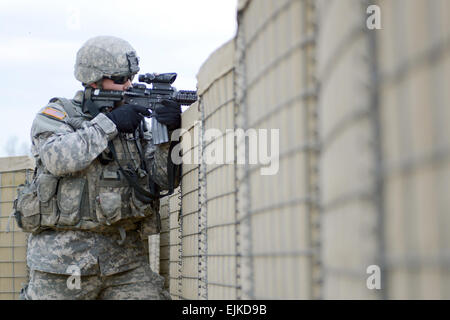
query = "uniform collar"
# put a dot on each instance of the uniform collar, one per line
(78, 102)
(78, 98)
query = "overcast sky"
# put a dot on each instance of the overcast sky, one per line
(39, 41)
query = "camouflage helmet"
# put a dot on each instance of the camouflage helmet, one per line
(105, 56)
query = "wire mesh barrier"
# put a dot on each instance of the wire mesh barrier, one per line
(217, 113)
(189, 216)
(413, 58)
(164, 242)
(13, 268)
(279, 211)
(248, 229)
(174, 245)
(357, 208)
(350, 196)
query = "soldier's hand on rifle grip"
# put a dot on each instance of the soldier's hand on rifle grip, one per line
(169, 115)
(127, 117)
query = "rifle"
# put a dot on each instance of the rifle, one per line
(151, 98)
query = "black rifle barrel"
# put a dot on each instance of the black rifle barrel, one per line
(183, 97)
(112, 95)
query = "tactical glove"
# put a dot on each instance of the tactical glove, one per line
(127, 117)
(170, 114)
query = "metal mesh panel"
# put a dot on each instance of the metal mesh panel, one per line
(349, 208)
(164, 243)
(243, 243)
(414, 62)
(218, 114)
(13, 268)
(277, 211)
(175, 231)
(190, 204)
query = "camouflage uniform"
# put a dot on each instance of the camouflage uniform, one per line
(113, 264)
(136, 284)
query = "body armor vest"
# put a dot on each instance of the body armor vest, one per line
(98, 198)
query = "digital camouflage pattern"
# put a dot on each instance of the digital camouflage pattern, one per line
(137, 284)
(68, 149)
(64, 150)
(105, 56)
(93, 252)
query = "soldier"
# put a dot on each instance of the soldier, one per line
(88, 217)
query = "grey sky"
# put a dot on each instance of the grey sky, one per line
(39, 41)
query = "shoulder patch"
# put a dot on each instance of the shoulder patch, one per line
(54, 113)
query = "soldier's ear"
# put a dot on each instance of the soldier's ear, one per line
(93, 85)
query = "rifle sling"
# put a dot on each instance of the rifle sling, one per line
(142, 194)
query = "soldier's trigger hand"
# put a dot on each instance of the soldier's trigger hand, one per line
(170, 114)
(127, 117)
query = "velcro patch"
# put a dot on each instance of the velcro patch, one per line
(54, 113)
